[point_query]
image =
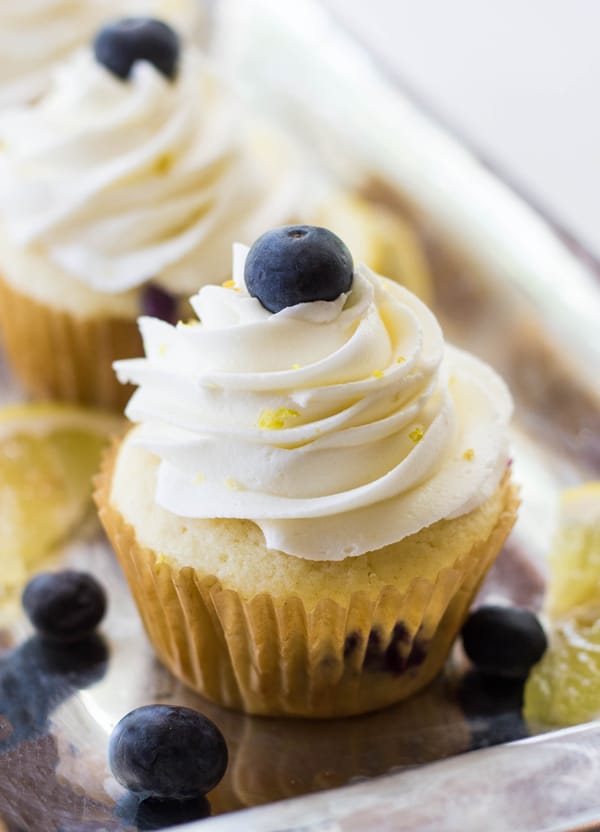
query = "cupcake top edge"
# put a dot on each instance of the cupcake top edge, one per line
(339, 421)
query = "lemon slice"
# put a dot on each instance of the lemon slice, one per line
(48, 455)
(575, 558)
(379, 238)
(564, 687)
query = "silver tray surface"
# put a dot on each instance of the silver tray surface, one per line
(508, 287)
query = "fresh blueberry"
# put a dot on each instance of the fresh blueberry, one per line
(297, 264)
(121, 43)
(167, 752)
(504, 641)
(158, 303)
(64, 606)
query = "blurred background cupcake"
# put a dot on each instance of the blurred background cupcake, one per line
(122, 189)
(36, 35)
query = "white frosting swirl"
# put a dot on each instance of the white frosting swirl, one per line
(35, 35)
(119, 182)
(337, 427)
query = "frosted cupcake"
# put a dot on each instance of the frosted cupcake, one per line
(120, 192)
(314, 488)
(36, 35)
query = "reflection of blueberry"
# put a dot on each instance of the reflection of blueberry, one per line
(37, 677)
(121, 43)
(492, 706)
(158, 303)
(297, 264)
(64, 606)
(152, 813)
(504, 641)
(167, 752)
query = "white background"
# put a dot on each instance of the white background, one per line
(519, 78)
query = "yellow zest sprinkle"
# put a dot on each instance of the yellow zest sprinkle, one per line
(190, 323)
(232, 484)
(163, 164)
(452, 379)
(469, 454)
(199, 478)
(160, 559)
(400, 360)
(416, 435)
(295, 366)
(162, 350)
(270, 419)
(229, 284)
(378, 374)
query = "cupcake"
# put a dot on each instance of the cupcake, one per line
(36, 35)
(314, 486)
(121, 190)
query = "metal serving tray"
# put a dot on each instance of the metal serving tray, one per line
(509, 287)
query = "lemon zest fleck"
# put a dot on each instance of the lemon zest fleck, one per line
(469, 454)
(377, 373)
(270, 419)
(400, 360)
(417, 434)
(295, 366)
(163, 164)
(233, 484)
(228, 284)
(162, 350)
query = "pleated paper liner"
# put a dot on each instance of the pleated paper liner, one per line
(273, 656)
(56, 355)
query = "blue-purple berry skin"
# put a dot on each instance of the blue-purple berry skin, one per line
(121, 43)
(167, 752)
(298, 264)
(64, 606)
(158, 303)
(504, 641)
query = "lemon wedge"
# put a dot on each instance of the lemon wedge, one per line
(48, 455)
(564, 687)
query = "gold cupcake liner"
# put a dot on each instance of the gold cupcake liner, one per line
(273, 656)
(57, 355)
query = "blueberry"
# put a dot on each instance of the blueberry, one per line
(158, 303)
(121, 43)
(167, 752)
(504, 641)
(297, 264)
(64, 606)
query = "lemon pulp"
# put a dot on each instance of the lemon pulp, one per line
(564, 687)
(48, 455)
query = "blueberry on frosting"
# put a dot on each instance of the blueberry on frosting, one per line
(297, 264)
(121, 43)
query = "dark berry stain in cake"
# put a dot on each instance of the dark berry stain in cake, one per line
(352, 644)
(389, 657)
(158, 303)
